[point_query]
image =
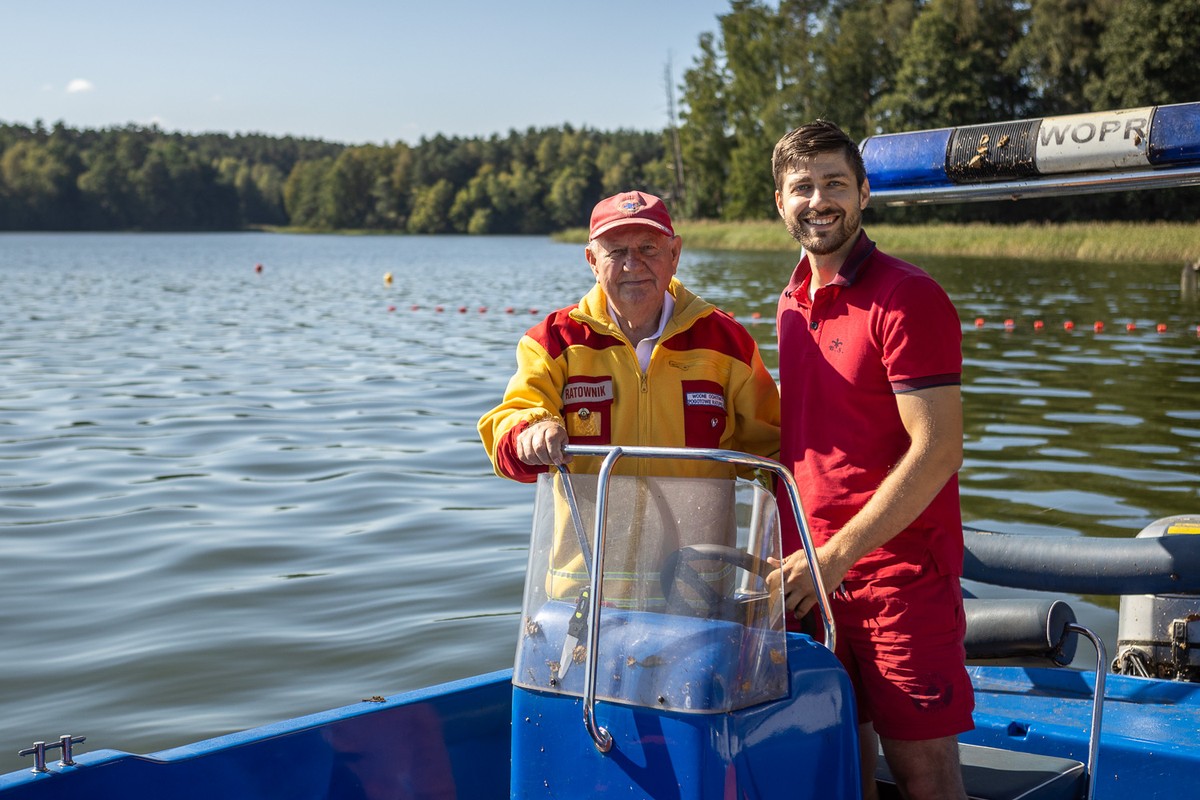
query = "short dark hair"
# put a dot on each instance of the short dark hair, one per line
(817, 137)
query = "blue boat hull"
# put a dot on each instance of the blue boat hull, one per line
(444, 742)
(1150, 744)
(453, 741)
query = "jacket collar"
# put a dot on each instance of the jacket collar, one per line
(593, 310)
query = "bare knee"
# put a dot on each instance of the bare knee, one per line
(927, 769)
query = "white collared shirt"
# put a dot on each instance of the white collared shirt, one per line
(646, 346)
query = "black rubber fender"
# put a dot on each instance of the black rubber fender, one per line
(1084, 564)
(1019, 631)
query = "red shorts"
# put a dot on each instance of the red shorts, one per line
(901, 640)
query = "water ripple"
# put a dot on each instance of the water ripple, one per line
(228, 498)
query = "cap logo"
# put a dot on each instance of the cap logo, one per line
(631, 206)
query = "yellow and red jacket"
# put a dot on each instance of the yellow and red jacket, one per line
(705, 386)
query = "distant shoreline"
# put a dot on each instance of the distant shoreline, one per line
(1107, 242)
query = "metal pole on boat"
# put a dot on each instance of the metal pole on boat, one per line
(600, 737)
(576, 518)
(579, 619)
(1097, 704)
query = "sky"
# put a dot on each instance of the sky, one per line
(354, 71)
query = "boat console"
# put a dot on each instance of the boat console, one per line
(653, 659)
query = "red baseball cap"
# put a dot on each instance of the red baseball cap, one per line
(630, 208)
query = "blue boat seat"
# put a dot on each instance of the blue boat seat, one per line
(990, 773)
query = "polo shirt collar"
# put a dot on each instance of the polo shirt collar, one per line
(855, 262)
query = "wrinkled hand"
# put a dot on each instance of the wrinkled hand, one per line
(542, 444)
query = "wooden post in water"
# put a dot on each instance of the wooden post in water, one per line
(1187, 281)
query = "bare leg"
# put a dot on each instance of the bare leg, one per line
(868, 752)
(927, 769)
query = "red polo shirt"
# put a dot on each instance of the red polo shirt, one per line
(881, 327)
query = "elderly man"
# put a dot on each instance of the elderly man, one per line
(640, 360)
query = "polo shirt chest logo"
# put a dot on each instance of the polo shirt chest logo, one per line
(836, 346)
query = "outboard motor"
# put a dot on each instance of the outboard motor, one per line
(1158, 636)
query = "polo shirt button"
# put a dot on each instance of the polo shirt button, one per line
(814, 324)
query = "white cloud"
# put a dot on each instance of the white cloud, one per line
(79, 85)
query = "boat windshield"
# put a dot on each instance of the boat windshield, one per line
(690, 616)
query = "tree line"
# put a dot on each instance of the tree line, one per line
(873, 66)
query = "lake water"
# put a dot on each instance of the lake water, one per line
(231, 496)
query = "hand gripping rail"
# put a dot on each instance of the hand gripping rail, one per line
(601, 737)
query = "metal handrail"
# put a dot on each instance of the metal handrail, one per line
(1097, 703)
(611, 454)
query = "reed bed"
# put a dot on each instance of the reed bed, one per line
(1110, 242)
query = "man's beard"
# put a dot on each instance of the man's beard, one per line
(832, 239)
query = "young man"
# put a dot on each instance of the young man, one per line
(870, 368)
